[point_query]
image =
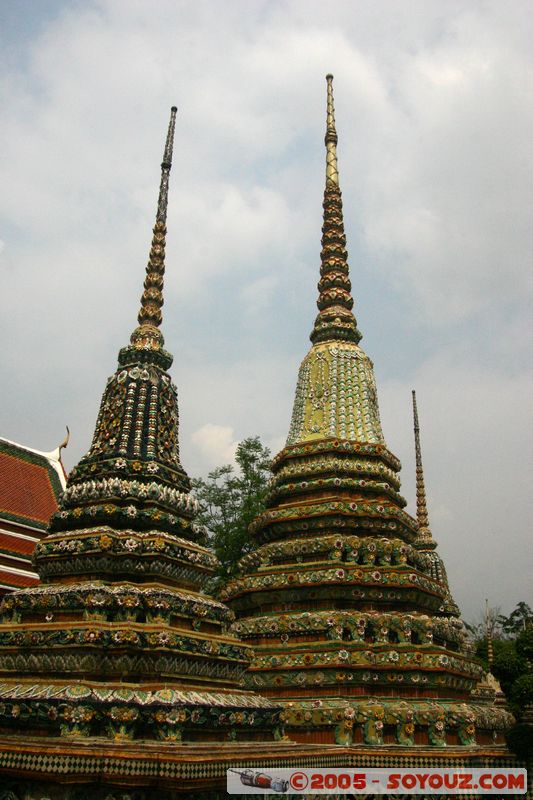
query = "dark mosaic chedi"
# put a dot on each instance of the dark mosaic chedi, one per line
(118, 641)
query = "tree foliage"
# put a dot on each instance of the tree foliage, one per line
(492, 621)
(519, 740)
(512, 645)
(524, 644)
(230, 499)
(522, 690)
(507, 665)
(517, 621)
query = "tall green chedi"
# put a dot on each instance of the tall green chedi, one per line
(344, 599)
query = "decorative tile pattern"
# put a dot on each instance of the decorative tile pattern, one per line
(336, 396)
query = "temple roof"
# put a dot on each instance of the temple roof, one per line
(31, 483)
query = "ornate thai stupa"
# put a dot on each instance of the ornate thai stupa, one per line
(117, 670)
(345, 599)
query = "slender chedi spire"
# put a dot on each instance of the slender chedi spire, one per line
(424, 541)
(147, 336)
(421, 506)
(489, 628)
(137, 428)
(336, 392)
(152, 298)
(335, 320)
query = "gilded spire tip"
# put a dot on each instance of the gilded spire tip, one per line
(331, 138)
(335, 320)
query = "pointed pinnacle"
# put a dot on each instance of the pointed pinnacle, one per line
(331, 138)
(166, 164)
(147, 335)
(421, 506)
(335, 320)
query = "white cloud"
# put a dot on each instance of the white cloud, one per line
(257, 296)
(216, 443)
(456, 207)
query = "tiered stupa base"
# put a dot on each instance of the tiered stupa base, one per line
(127, 661)
(80, 770)
(100, 770)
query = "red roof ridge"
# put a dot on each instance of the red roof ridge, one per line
(53, 457)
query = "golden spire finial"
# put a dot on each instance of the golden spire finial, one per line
(335, 320)
(421, 507)
(147, 335)
(331, 139)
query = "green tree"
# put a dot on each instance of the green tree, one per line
(512, 665)
(508, 666)
(524, 645)
(512, 646)
(230, 499)
(517, 621)
(520, 738)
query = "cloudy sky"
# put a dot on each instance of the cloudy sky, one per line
(434, 116)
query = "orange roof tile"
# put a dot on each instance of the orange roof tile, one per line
(16, 545)
(16, 580)
(29, 485)
(25, 490)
